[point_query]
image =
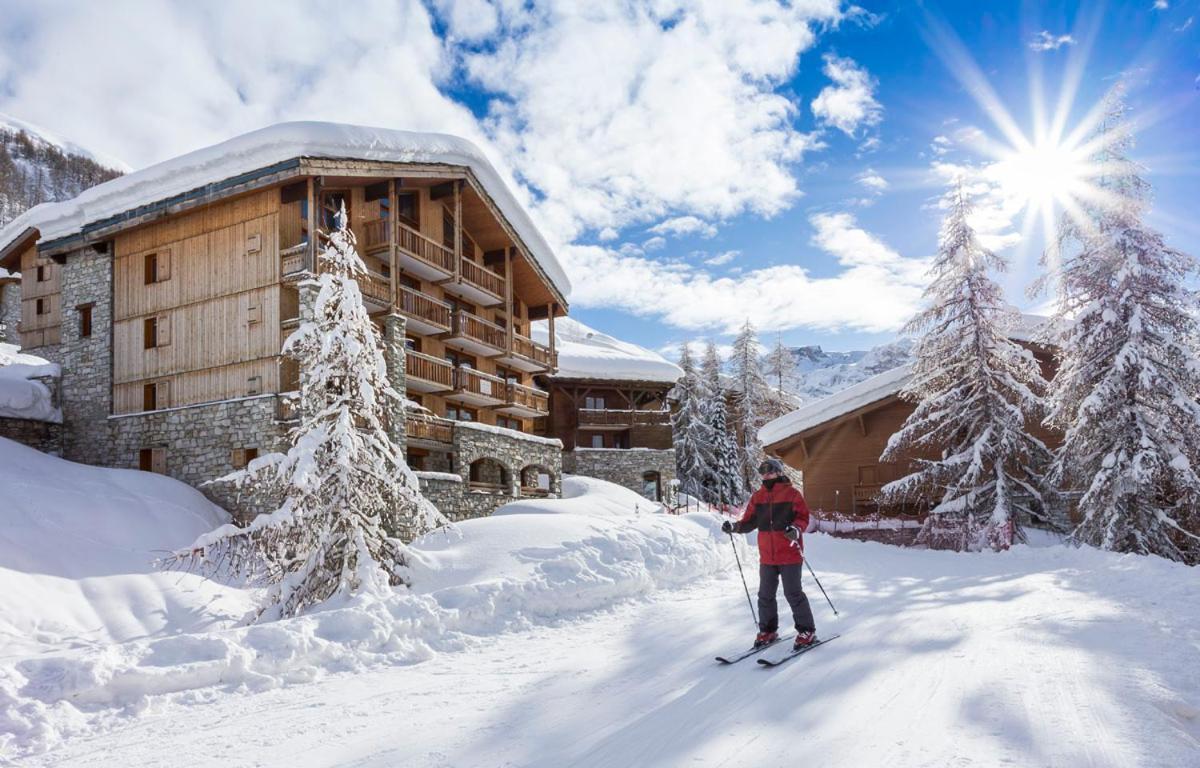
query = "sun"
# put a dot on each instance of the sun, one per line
(1043, 174)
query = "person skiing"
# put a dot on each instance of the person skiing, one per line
(780, 514)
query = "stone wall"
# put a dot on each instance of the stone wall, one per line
(86, 361)
(443, 492)
(10, 312)
(623, 466)
(199, 441)
(43, 436)
(513, 451)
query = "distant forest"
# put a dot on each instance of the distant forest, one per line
(33, 171)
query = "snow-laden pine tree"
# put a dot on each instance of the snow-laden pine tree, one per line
(723, 476)
(343, 483)
(691, 437)
(1127, 388)
(753, 403)
(976, 393)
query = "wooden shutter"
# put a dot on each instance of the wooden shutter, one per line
(253, 314)
(253, 244)
(162, 393)
(164, 331)
(238, 458)
(158, 460)
(254, 385)
(164, 265)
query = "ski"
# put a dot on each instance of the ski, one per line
(749, 653)
(794, 654)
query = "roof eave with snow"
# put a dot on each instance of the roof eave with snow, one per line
(226, 163)
(870, 391)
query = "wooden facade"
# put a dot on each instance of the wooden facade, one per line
(607, 414)
(204, 293)
(839, 458)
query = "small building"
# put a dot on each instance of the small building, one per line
(166, 294)
(836, 442)
(609, 407)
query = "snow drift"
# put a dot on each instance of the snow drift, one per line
(78, 556)
(22, 396)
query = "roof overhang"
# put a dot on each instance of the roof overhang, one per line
(10, 254)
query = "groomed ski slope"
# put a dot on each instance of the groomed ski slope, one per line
(1037, 657)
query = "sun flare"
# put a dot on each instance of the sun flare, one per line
(1043, 174)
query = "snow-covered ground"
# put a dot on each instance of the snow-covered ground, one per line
(587, 639)
(21, 395)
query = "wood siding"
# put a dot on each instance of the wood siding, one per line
(46, 328)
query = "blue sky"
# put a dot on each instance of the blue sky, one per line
(695, 162)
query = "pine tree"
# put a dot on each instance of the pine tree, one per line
(976, 392)
(723, 478)
(343, 482)
(780, 368)
(1127, 389)
(692, 440)
(752, 402)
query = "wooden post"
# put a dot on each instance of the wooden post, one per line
(392, 223)
(508, 295)
(314, 239)
(458, 231)
(550, 320)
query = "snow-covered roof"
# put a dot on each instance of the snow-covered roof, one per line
(585, 353)
(849, 399)
(276, 144)
(22, 395)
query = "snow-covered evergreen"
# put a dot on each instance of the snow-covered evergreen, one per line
(1127, 389)
(691, 437)
(343, 484)
(976, 392)
(754, 404)
(723, 477)
(780, 370)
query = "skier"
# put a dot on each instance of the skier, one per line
(779, 513)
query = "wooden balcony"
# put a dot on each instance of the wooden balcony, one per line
(376, 291)
(606, 418)
(476, 388)
(426, 373)
(424, 313)
(477, 284)
(525, 402)
(529, 356)
(474, 335)
(419, 255)
(375, 235)
(292, 261)
(429, 429)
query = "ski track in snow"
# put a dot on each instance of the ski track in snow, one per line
(1036, 657)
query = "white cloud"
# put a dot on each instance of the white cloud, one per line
(654, 243)
(850, 101)
(722, 258)
(1161, 5)
(875, 290)
(1186, 25)
(1044, 41)
(606, 234)
(685, 225)
(872, 182)
(995, 208)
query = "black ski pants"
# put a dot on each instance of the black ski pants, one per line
(768, 585)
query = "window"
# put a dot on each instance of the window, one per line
(149, 397)
(331, 203)
(85, 320)
(652, 486)
(597, 441)
(412, 344)
(43, 306)
(240, 457)
(513, 424)
(406, 208)
(150, 333)
(150, 269)
(458, 413)
(43, 274)
(594, 403)
(447, 228)
(458, 358)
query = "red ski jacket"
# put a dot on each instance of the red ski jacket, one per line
(771, 511)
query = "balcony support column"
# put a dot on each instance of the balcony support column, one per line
(508, 298)
(553, 366)
(394, 359)
(393, 202)
(458, 254)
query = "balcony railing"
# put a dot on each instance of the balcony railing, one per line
(376, 287)
(482, 277)
(531, 350)
(375, 233)
(527, 397)
(420, 247)
(429, 428)
(291, 261)
(604, 417)
(472, 327)
(429, 368)
(479, 383)
(415, 304)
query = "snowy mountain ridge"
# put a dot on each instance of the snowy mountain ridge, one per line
(820, 374)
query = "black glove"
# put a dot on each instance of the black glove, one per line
(792, 532)
(727, 527)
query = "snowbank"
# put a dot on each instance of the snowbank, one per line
(21, 395)
(485, 576)
(585, 353)
(77, 551)
(585, 496)
(275, 144)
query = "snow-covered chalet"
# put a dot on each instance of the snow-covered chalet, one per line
(165, 295)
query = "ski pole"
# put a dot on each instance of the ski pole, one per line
(744, 584)
(823, 592)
